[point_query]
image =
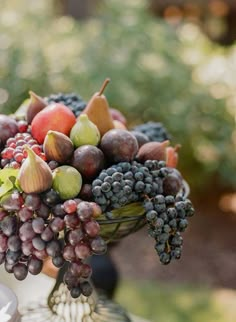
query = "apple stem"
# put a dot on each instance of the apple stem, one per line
(104, 85)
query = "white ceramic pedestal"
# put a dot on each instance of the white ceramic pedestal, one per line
(9, 305)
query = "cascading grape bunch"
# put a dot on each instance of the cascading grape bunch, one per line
(167, 213)
(81, 241)
(30, 228)
(22, 246)
(166, 217)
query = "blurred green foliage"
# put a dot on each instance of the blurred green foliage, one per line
(143, 57)
(177, 303)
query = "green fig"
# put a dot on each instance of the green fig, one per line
(34, 176)
(67, 182)
(58, 147)
(84, 132)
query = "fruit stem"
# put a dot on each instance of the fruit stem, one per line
(168, 247)
(50, 133)
(104, 85)
(177, 147)
(165, 143)
(30, 152)
(36, 98)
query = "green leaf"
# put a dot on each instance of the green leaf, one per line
(22, 109)
(6, 187)
(7, 180)
(17, 185)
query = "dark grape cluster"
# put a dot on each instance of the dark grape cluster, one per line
(13, 155)
(127, 182)
(166, 218)
(71, 100)
(155, 131)
(30, 229)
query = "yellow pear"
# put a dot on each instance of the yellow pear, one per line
(98, 110)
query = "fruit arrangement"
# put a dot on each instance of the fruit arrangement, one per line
(71, 174)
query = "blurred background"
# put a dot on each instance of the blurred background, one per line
(172, 61)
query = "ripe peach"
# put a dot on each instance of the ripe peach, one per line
(117, 115)
(119, 125)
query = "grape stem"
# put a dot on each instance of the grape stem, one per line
(104, 85)
(168, 247)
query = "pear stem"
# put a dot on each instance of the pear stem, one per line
(104, 85)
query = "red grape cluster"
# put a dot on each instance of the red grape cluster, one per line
(22, 246)
(13, 155)
(82, 240)
(30, 231)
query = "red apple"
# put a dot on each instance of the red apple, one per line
(55, 117)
